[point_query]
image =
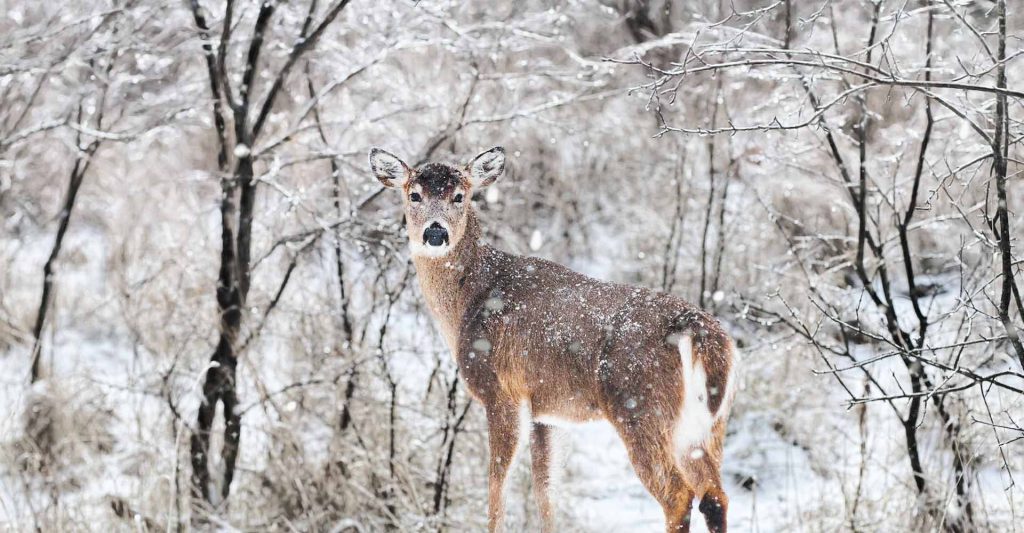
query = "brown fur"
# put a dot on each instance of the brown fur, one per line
(526, 330)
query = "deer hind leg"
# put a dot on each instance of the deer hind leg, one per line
(702, 466)
(653, 458)
(714, 505)
(503, 439)
(540, 453)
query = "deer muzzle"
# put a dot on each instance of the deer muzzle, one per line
(435, 235)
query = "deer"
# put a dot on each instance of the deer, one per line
(532, 336)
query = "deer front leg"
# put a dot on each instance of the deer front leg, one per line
(540, 452)
(503, 438)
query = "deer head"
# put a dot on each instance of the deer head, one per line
(435, 196)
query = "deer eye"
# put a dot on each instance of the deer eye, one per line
(415, 197)
(458, 198)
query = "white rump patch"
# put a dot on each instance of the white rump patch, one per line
(730, 382)
(694, 424)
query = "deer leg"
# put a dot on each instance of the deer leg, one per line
(701, 468)
(540, 453)
(704, 468)
(659, 471)
(714, 505)
(503, 438)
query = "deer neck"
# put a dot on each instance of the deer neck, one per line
(445, 281)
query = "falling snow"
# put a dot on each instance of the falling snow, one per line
(844, 230)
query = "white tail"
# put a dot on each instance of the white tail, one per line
(695, 419)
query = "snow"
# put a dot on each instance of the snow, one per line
(601, 492)
(594, 187)
(536, 240)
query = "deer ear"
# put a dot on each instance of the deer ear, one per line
(390, 170)
(487, 167)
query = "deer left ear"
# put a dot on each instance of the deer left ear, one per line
(487, 167)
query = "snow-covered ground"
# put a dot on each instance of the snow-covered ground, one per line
(604, 493)
(599, 491)
(784, 470)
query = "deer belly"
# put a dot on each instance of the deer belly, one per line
(560, 421)
(566, 412)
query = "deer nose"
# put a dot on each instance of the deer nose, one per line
(435, 235)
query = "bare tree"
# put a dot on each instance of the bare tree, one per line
(236, 106)
(943, 351)
(230, 309)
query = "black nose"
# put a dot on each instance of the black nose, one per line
(435, 235)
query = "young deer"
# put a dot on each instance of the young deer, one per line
(571, 348)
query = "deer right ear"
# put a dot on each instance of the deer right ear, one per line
(390, 170)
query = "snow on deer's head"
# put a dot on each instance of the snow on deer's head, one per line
(435, 196)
